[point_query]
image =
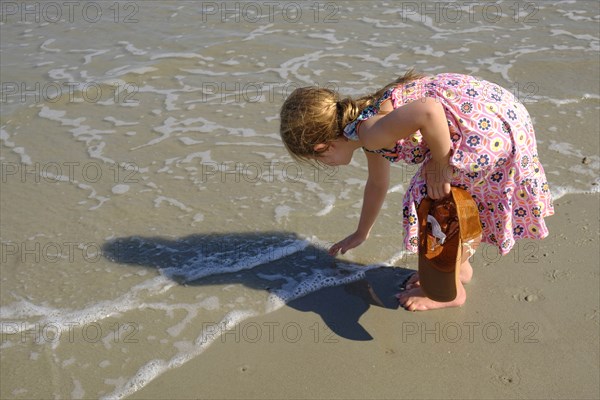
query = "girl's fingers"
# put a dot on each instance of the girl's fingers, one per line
(344, 248)
(336, 248)
(445, 190)
(333, 250)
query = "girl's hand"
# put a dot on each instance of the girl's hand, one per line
(438, 177)
(350, 242)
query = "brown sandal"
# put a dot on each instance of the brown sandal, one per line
(444, 226)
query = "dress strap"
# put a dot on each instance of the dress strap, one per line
(351, 130)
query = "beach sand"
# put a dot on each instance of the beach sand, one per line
(529, 329)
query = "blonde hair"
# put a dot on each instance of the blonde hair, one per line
(312, 115)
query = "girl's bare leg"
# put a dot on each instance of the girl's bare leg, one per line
(414, 299)
(466, 270)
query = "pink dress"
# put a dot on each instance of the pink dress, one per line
(494, 157)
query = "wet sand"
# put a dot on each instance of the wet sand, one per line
(529, 329)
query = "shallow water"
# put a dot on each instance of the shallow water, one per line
(147, 201)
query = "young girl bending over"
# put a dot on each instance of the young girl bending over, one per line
(461, 130)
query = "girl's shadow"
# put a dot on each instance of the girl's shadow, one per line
(278, 262)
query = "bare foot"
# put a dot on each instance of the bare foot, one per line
(465, 276)
(415, 300)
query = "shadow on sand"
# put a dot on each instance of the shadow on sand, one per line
(266, 261)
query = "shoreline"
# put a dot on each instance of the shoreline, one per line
(528, 330)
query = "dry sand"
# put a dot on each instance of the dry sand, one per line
(529, 329)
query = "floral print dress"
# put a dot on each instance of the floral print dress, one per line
(493, 155)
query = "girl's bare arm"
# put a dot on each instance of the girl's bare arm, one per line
(425, 115)
(374, 195)
(376, 189)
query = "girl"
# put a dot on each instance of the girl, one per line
(463, 131)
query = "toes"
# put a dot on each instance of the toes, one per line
(404, 295)
(413, 305)
(406, 298)
(409, 303)
(414, 300)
